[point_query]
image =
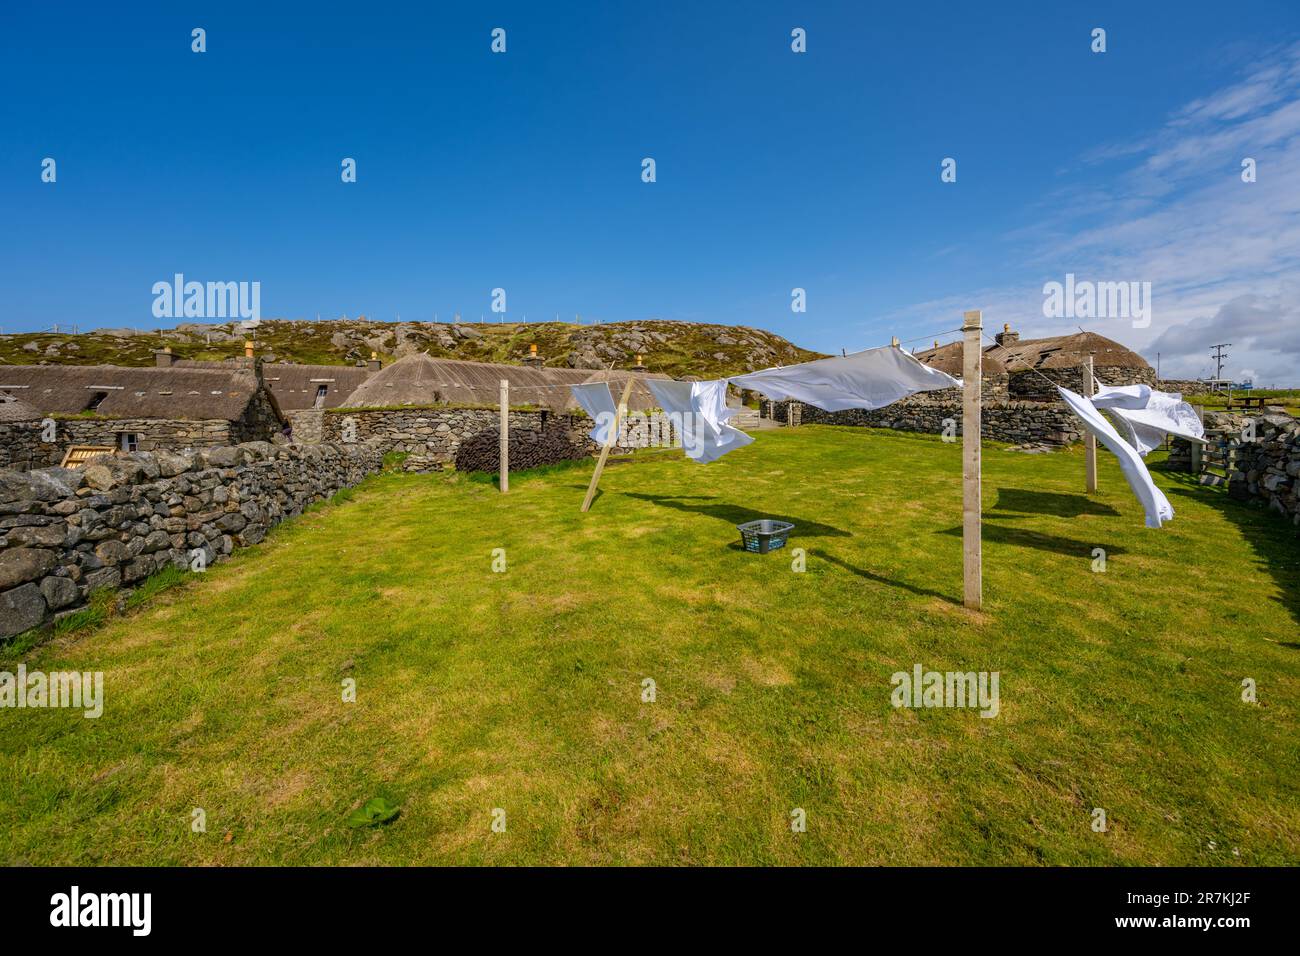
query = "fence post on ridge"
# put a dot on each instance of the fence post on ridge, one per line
(971, 500)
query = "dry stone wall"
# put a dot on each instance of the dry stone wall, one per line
(1039, 423)
(1268, 468)
(65, 533)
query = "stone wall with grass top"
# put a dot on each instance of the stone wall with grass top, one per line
(66, 533)
(1020, 423)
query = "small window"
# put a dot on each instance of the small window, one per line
(128, 441)
(320, 395)
(96, 400)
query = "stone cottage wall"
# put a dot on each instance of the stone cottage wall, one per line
(21, 444)
(260, 422)
(432, 436)
(1049, 423)
(1025, 385)
(67, 532)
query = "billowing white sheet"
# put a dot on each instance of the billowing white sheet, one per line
(699, 412)
(1122, 396)
(1145, 425)
(598, 402)
(1154, 503)
(870, 379)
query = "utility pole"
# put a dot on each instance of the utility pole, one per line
(1219, 359)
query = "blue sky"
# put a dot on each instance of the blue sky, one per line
(775, 170)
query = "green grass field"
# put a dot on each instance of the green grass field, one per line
(522, 690)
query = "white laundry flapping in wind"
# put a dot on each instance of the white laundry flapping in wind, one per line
(869, 379)
(1145, 416)
(699, 412)
(1154, 503)
(598, 402)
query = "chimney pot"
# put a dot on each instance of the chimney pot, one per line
(248, 348)
(532, 359)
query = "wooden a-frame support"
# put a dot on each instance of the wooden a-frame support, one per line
(609, 443)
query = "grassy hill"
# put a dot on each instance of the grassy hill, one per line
(677, 348)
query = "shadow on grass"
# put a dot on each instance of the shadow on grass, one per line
(1050, 503)
(881, 579)
(1267, 532)
(734, 514)
(1023, 538)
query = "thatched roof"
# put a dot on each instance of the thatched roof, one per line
(15, 410)
(424, 380)
(1068, 351)
(948, 358)
(117, 392)
(295, 386)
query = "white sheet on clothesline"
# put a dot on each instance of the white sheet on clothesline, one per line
(870, 379)
(598, 402)
(1154, 503)
(698, 410)
(1122, 396)
(1145, 417)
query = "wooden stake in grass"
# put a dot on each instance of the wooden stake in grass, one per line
(609, 443)
(971, 501)
(1089, 440)
(505, 436)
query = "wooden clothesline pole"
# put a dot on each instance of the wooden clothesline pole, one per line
(609, 443)
(1089, 440)
(971, 499)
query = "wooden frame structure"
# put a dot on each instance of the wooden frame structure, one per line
(609, 444)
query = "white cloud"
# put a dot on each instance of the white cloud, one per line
(1223, 256)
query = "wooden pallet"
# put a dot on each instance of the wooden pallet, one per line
(78, 455)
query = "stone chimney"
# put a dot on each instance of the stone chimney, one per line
(374, 364)
(1006, 336)
(163, 358)
(532, 359)
(639, 366)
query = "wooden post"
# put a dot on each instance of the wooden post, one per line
(609, 443)
(505, 436)
(971, 500)
(1089, 440)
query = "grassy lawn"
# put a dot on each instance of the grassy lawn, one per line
(522, 690)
